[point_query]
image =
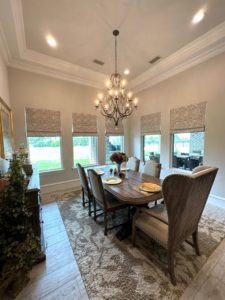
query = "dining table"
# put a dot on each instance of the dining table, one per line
(128, 190)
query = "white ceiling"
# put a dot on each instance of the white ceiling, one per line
(83, 29)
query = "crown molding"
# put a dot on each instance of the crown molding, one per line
(34, 61)
(201, 49)
(59, 74)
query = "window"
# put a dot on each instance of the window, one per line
(85, 150)
(151, 147)
(113, 144)
(45, 152)
(188, 150)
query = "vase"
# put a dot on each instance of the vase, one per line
(119, 167)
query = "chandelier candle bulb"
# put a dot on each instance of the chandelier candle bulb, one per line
(116, 103)
(129, 95)
(108, 83)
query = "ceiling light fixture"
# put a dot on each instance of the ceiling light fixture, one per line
(126, 72)
(51, 41)
(116, 103)
(199, 16)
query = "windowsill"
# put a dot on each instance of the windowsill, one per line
(51, 172)
(87, 166)
(178, 170)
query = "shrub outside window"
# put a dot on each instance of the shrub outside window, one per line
(85, 150)
(113, 143)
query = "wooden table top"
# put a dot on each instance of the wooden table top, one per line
(127, 191)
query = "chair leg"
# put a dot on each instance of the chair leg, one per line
(171, 266)
(89, 207)
(94, 203)
(105, 222)
(128, 215)
(83, 202)
(133, 235)
(195, 242)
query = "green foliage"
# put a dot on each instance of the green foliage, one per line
(44, 141)
(18, 244)
(81, 141)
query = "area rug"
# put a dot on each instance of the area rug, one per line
(113, 269)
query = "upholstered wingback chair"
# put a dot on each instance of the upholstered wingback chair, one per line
(152, 168)
(170, 224)
(133, 163)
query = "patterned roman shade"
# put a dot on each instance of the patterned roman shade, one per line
(151, 124)
(110, 128)
(188, 118)
(84, 124)
(43, 122)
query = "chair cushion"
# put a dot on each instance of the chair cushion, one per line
(112, 202)
(159, 212)
(152, 226)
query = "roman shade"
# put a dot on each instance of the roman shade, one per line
(42, 122)
(151, 124)
(110, 128)
(188, 118)
(84, 124)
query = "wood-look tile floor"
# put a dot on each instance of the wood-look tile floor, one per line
(209, 284)
(59, 276)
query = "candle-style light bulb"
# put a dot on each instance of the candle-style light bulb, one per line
(100, 96)
(129, 95)
(135, 102)
(96, 103)
(108, 83)
(123, 82)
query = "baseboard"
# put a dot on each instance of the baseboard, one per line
(73, 185)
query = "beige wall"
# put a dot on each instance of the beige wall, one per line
(4, 88)
(205, 82)
(33, 90)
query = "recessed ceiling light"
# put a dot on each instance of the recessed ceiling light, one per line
(199, 16)
(51, 41)
(126, 72)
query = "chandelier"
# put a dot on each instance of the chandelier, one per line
(116, 102)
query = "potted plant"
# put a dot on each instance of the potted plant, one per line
(18, 244)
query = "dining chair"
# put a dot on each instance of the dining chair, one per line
(199, 169)
(152, 168)
(172, 223)
(133, 163)
(106, 201)
(86, 191)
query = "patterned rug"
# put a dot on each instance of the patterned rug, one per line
(113, 269)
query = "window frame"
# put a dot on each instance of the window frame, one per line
(61, 156)
(123, 144)
(97, 152)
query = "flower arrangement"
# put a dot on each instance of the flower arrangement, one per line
(118, 157)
